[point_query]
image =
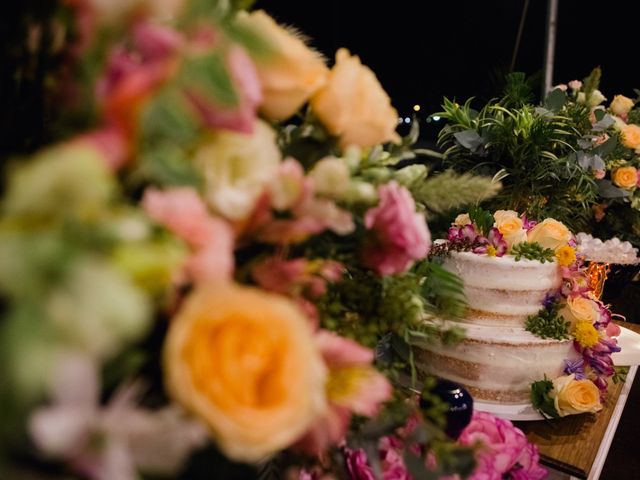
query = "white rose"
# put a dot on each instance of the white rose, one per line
(502, 215)
(462, 220)
(237, 168)
(331, 177)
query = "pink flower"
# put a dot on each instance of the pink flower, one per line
(493, 244)
(505, 449)
(638, 179)
(296, 277)
(354, 386)
(241, 116)
(400, 233)
(575, 84)
(561, 86)
(184, 213)
(357, 465)
(599, 174)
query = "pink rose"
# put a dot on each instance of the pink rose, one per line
(575, 84)
(400, 233)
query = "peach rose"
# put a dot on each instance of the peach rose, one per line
(620, 105)
(291, 73)
(353, 105)
(571, 396)
(630, 136)
(510, 226)
(549, 233)
(625, 177)
(245, 362)
(581, 309)
(462, 220)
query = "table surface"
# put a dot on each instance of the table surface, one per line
(571, 444)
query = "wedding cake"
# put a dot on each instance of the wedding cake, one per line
(529, 317)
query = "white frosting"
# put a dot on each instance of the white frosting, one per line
(499, 359)
(502, 285)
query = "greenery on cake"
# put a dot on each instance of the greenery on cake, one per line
(532, 251)
(548, 323)
(541, 399)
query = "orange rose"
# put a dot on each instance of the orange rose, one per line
(621, 105)
(571, 396)
(291, 73)
(510, 226)
(549, 233)
(625, 177)
(581, 309)
(246, 363)
(630, 136)
(353, 105)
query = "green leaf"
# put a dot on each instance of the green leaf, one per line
(482, 219)
(469, 139)
(556, 100)
(541, 400)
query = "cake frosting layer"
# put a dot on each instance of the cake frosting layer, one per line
(497, 364)
(497, 287)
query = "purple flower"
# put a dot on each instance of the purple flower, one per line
(357, 464)
(551, 298)
(528, 224)
(493, 244)
(576, 367)
(465, 235)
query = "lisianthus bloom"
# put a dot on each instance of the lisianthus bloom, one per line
(571, 396)
(353, 106)
(506, 450)
(245, 362)
(599, 356)
(353, 386)
(400, 234)
(493, 244)
(290, 73)
(237, 169)
(184, 213)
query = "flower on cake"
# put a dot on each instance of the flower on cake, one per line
(571, 396)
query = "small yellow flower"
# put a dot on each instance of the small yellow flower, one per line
(586, 334)
(491, 251)
(565, 255)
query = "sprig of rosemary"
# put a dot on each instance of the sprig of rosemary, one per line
(548, 323)
(532, 251)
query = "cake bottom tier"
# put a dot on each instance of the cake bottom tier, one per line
(496, 364)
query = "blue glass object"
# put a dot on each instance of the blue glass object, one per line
(460, 405)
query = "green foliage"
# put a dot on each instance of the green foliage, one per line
(442, 290)
(541, 400)
(548, 323)
(482, 219)
(517, 91)
(532, 251)
(619, 374)
(592, 81)
(450, 190)
(532, 146)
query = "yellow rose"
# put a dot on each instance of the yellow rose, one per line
(237, 169)
(291, 73)
(549, 233)
(625, 177)
(245, 362)
(581, 309)
(510, 226)
(353, 105)
(621, 105)
(571, 396)
(630, 136)
(462, 220)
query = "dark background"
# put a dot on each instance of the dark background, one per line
(424, 50)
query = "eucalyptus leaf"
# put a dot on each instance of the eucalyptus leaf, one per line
(469, 139)
(604, 123)
(599, 114)
(606, 189)
(555, 100)
(607, 147)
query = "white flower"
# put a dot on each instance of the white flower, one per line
(98, 309)
(330, 176)
(111, 442)
(596, 98)
(237, 168)
(462, 220)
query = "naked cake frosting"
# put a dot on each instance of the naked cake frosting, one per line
(531, 317)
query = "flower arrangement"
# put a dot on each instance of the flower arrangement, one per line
(221, 264)
(608, 149)
(572, 312)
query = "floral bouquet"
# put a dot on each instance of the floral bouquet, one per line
(572, 312)
(220, 265)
